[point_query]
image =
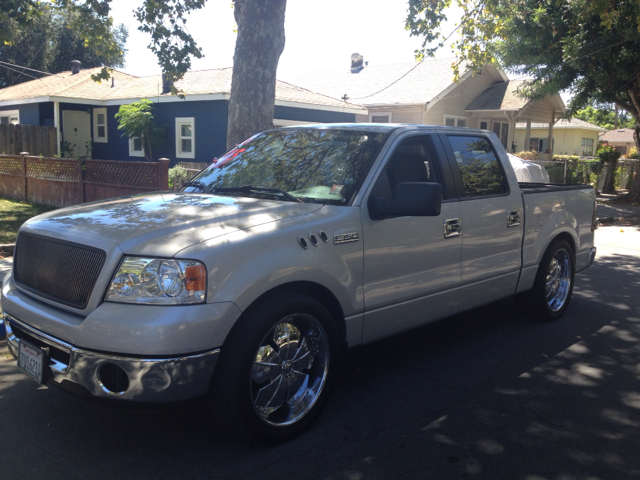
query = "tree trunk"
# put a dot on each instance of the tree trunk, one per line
(259, 45)
(634, 192)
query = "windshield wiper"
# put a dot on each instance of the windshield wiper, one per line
(196, 184)
(257, 189)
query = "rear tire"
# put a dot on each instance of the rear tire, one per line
(277, 367)
(553, 286)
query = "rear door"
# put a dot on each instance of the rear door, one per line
(491, 219)
(411, 265)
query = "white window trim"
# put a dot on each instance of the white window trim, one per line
(192, 122)
(380, 114)
(10, 113)
(456, 118)
(132, 152)
(96, 138)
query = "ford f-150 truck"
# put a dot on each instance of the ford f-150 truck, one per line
(248, 283)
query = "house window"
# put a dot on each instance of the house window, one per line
(587, 146)
(10, 116)
(455, 121)
(135, 147)
(380, 117)
(484, 125)
(185, 137)
(100, 125)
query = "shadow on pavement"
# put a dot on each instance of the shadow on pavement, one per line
(487, 394)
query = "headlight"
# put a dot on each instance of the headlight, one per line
(158, 281)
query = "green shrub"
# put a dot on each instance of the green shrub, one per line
(176, 173)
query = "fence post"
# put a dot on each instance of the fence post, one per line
(80, 170)
(565, 172)
(163, 174)
(23, 161)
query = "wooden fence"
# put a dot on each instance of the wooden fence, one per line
(63, 182)
(40, 140)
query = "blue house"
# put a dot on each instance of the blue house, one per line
(196, 127)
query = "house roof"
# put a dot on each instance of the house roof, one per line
(500, 96)
(620, 135)
(397, 84)
(564, 124)
(124, 88)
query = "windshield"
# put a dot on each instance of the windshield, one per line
(312, 165)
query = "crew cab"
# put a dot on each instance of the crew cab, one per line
(247, 285)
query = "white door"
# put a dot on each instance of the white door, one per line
(76, 134)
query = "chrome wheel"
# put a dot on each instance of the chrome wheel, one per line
(289, 370)
(558, 281)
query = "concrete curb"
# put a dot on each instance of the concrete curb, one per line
(6, 250)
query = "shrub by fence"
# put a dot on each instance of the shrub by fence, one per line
(63, 182)
(40, 140)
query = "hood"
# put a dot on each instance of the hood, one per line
(161, 224)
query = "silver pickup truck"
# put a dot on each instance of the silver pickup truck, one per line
(248, 284)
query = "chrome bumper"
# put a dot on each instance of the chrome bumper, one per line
(592, 256)
(113, 376)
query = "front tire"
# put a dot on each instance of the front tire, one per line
(277, 367)
(553, 286)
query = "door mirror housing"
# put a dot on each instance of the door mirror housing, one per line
(411, 199)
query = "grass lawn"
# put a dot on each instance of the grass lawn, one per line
(14, 213)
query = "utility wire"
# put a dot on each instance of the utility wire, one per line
(30, 69)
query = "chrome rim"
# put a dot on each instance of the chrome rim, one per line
(558, 280)
(289, 370)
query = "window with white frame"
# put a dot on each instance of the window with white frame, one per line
(135, 147)
(185, 137)
(455, 121)
(10, 116)
(100, 125)
(587, 146)
(380, 117)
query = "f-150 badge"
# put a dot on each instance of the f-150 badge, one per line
(345, 238)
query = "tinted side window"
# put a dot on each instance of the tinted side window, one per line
(478, 165)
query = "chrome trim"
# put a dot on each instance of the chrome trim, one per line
(346, 238)
(452, 227)
(150, 380)
(313, 240)
(323, 236)
(513, 218)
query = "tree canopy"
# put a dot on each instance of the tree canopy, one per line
(589, 47)
(604, 116)
(49, 42)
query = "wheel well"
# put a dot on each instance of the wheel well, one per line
(319, 293)
(567, 238)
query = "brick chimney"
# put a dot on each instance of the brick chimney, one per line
(357, 63)
(75, 66)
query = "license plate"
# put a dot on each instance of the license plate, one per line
(30, 360)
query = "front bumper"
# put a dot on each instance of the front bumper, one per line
(114, 376)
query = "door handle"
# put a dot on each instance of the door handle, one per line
(452, 228)
(513, 218)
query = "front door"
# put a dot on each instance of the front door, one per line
(411, 269)
(76, 130)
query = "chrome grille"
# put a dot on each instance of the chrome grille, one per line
(61, 271)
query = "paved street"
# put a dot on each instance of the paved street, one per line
(488, 394)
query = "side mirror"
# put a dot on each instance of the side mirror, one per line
(412, 199)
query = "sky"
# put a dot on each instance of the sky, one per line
(320, 35)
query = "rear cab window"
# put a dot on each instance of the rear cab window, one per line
(477, 168)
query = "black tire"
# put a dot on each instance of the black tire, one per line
(276, 367)
(553, 286)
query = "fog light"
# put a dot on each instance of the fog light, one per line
(113, 379)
